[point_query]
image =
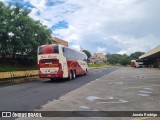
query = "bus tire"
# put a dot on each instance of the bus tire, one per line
(52, 79)
(70, 75)
(85, 73)
(74, 74)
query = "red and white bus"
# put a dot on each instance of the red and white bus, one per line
(137, 63)
(58, 61)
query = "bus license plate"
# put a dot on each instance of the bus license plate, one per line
(48, 63)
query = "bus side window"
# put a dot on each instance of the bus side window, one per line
(40, 50)
(81, 57)
(74, 55)
(64, 52)
(84, 59)
(77, 56)
(69, 54)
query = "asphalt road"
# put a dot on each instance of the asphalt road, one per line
(32, 95)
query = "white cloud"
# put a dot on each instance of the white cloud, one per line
(39, 4)
(111, 26)
(5, 1)
(130, 44)
(76, 47)
(105, 19)
(101, 50)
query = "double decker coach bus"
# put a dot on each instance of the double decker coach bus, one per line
(58, 61)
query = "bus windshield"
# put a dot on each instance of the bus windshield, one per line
(49, 49)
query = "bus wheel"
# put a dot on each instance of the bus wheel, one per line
(52, 79)
(85, 73)
(74, 74)
(70, 76)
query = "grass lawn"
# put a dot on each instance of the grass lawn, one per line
(97, 65)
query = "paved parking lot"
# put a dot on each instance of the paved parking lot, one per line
(126, 89)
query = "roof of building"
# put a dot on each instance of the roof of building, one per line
(100, 55)
(152, 54)
(60, 41)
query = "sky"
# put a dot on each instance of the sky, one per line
(108, 26)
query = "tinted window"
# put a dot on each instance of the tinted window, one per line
(55, 49)
(139, 60)
(40, 50)
(69, 53)
(48, 49)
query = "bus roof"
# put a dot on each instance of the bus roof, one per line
(62, 46)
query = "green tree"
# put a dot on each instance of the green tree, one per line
(125, 60)
(119, 59)
(87, 53)
(4, 28)
(136, 55)
(20, 34)
(113, 58)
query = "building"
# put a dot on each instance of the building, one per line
(100, 55)
(60, 41)
(98, 58)
(152, 57)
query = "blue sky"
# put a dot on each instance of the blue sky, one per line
(108, 26)
(60, 25)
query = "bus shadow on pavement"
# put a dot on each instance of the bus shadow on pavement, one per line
(58, 80)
